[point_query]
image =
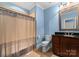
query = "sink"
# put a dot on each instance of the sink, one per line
(69, 35)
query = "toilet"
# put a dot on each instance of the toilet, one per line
(46, 44)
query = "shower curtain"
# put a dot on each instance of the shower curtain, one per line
(17, 33)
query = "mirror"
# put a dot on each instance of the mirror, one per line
(69, 18)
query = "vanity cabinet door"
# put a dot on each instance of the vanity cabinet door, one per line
(74, 47)
(65, 43)
(55, 44)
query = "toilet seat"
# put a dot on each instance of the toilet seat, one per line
(44, 43)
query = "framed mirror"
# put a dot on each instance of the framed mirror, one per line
(69, 19)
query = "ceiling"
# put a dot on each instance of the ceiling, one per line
(30, 5)
(45, 5)
(26, 5)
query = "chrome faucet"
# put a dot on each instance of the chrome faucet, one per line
(72, 33)
(65, 33)
(68, 33)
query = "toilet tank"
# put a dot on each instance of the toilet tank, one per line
(48, 37)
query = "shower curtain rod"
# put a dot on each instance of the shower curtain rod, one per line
(5, 9)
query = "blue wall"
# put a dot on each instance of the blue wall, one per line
(39, 26)
(51, 21)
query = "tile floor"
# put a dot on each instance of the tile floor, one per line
(32, 54)
(39, 53)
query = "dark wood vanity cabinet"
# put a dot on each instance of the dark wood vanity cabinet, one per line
(65, 46)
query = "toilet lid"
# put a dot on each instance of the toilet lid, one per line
(45, 42)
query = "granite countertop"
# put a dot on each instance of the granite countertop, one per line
(72, 36)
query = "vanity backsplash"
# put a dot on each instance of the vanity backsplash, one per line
(67, 33)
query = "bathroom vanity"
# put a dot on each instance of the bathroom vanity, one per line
(65, 45)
